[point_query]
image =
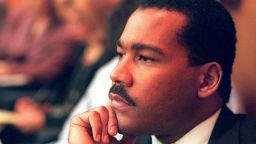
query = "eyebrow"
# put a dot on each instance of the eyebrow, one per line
(138, 46)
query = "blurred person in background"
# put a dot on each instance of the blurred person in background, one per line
(243, 95)
(35, 43)
(7, 7)
(89, 29)
(2, 12)
(36, 48)
(36, 52)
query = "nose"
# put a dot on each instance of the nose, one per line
(121, 74)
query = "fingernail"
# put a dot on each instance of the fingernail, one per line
(97, 138)
(105, 138)
(113, 130)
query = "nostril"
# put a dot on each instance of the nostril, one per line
(118, 82)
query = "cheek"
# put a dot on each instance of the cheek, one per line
(166, 91)
(156, 95)
(155, 87)
(147, 91)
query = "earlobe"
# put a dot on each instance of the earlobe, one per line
(210, 79)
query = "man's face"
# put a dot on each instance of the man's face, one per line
(154, 71)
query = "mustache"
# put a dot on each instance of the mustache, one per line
(120, 90)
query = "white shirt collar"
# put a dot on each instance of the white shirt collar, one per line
(199, 134)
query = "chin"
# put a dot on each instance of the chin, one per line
(132, 130)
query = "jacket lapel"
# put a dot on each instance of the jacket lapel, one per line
(143, 140)
(226, 129)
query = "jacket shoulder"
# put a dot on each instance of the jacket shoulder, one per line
(247, 130)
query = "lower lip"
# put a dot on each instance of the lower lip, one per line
(116, 104)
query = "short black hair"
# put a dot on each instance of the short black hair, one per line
(209, 34)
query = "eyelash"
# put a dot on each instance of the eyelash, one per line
(139, 57)
(145, 59)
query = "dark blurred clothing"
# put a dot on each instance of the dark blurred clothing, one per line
(77, 84)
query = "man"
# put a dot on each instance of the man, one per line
(172, 80)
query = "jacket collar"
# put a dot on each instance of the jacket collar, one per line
(226, 129)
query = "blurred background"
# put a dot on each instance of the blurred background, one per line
(51, 49)
(243, 96)
(49, 52)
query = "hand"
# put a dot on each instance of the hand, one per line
(98, 125)
(30, 121)
(29, 116)
(25, 104)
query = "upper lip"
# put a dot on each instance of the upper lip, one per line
(116, 97)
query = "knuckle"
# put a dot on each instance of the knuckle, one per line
(94, 114)
(74, 121)
(74, 118)
(102, 109)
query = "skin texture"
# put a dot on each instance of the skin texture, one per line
(153, 68)
(154, 71)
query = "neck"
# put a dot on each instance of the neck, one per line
(203, 110)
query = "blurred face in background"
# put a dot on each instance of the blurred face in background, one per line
(12, 5)
(39, 6)
(94, 12)
(86, 17)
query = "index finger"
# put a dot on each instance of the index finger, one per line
(112, 122)
(78, 134)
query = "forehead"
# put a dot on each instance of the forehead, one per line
(155, 14)
(153, 26)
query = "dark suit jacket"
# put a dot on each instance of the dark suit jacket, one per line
(229, 129)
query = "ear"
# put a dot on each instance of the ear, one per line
(209, 79)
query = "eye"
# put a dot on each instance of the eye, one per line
(145, 59)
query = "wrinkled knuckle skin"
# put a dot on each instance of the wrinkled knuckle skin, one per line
(94, 114)
(102, 109)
